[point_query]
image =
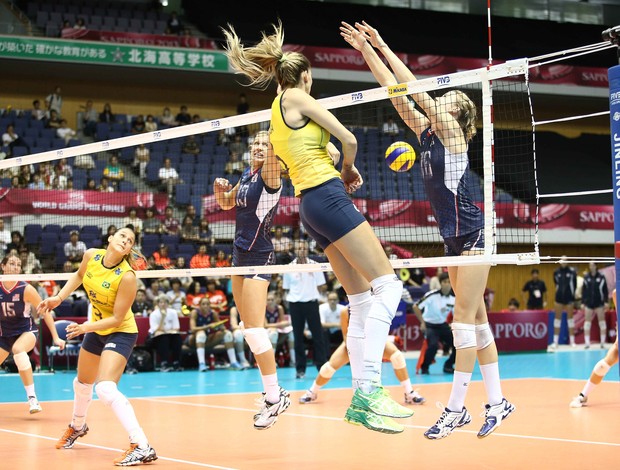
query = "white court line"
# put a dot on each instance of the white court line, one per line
(411, 426)
(93, 446)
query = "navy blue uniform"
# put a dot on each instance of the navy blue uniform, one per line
(565, 279)
(272, 317)
(15, 316)
(256, 206)
(595, 292)
(444, 175)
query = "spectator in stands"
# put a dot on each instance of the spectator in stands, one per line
(176, 295)
(11, 139)
(138, 126)
(50, 286)
(150, 125)
(189, 232)
(234, 165)
(91, 185)
(59, 180)
(89, 119)
(75, 249)
(238, 145)
(535, 292)
(196, 118)
(183, 117)
(206, 234)
(513, 306)
(53, 102)
(25, 176)
(175, 26)
(133, 219)
(141, 159)
(390, 127)
(222, 260)
(165, 332)
(217, 298)
(65, 168)
(65, 132)
(162, 257)
(29, 260)
(167, 119)
(142, 307)
(153, 291)
(171, 223)
(107, 115)
(152, 224)
(243, 106)
(52, 121)
(190, 145)
(168, 177)
(194, 293)
(282, 245)
(114, 172)
(105, 186)
(200, 259)
(37, 112)
(186, 281)
(278, 324)
(5, 237)
(16, 183)
(330, 319)
(17, 239)
(190, 211)
(79, 23)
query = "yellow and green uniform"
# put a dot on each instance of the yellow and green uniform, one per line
(303, 150)
(101, 286)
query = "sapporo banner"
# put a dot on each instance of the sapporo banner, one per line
(130, 55)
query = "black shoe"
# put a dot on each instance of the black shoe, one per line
(424, 372)
(300, 374)
(448, 370)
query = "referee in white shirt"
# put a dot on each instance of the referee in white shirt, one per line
(432, 311)
(302, 295)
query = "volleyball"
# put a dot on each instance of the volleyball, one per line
(400, 156)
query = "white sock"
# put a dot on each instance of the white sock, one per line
(492, 384)
(587, 388)
(231, 355)
(387, 292)
(200, 352)
(407, 386)
(241, 357)
(272, 389)
(359, 306)
(30, 391)
(556, 339)
(586, 332)
(603, 327)
(460, 384)
(315, 387)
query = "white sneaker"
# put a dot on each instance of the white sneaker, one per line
(135, 456)
(414, 398)
(269, 412)
(552, 348)
(579, 401)
(308, 397)
(448, 422)
(35, 407)
(494, 415)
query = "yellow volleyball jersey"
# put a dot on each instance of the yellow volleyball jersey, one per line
(302, 151)
(101, 285)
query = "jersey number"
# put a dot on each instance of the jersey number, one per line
(8, 309)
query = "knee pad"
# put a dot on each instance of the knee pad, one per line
(571, 323)
(484, 336)
(228, 337)
(398, 360)
(601, 368)
(327, 371)
(273, 336)
(388, 291)
(557, 323)
(82, 389)
(258, 340)
(602, 325)
(201, 337)
(237, 336)
(359, 304)
(22, 361)
(464, 335)
(587, 325)
(107, 391)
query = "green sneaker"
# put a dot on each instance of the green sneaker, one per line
(372, 421)
(379, 402)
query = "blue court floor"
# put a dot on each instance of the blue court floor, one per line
(568, 363)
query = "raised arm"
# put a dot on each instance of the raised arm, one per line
(359, 39)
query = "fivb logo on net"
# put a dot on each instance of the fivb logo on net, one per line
(359, 96)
